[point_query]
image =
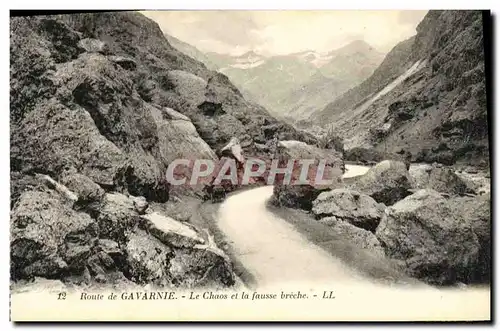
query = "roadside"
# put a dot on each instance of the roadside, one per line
(203, 215)
(374, 266)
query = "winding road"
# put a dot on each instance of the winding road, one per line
(270, 248)
(280, 257)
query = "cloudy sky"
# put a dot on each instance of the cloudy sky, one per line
(284, 32)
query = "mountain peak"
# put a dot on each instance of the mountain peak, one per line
(355, 46)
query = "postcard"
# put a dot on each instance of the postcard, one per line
(226, 165)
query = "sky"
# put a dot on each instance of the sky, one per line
(285, 32)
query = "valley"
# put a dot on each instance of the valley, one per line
(103, 104)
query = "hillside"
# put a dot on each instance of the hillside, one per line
(393, 65)
(355, 61)
(428, 96)
(191, 51)
(100, 105)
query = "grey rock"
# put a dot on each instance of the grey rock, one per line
(92, 45)
(110, 247)
(47, 236)
(178, 137)
(86, 190)
(171, 232)
(124, 62)
(387, 182)
(201, 267)
(442, 179)
(147, 259)
(355, 235)
(302, 196)
(477, 212)
(116, 217)
(353, 207)
(152, 262)
(431, 238)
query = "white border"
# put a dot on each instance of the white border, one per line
(185, 4)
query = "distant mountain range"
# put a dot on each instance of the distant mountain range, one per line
(428, 96)
(295, 85)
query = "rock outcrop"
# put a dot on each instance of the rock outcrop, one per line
(433, 240)
(477, 212)
(48, 238)
(428, 96)
(352, 207)
(112, 245)
(101, 104)
(105, 95)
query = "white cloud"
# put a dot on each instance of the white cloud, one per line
(282, 32)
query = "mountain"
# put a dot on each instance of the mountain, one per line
(394, 64)
(427, 97)
(355, 61)
(292, 86)
(100, 105)
(191, 51)
(271, 82)
(220, 60)
(346, 67)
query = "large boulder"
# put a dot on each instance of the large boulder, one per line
(353, 207)
(48, 238)
(295, 196)
(386, 182)
(357, 236)
(150, 261)
(55, 137)
(178, 138)
(301, 195)
(116, 217)
(147, 259)
(477, 183)
(432, 240)
(477, 212)
(441, 179)
(87, 191)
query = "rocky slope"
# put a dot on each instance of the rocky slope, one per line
(428, 96)
(191, 51)
(292, 86)
(101, 104)
(393, 65)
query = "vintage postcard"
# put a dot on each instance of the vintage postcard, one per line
(230, 165)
